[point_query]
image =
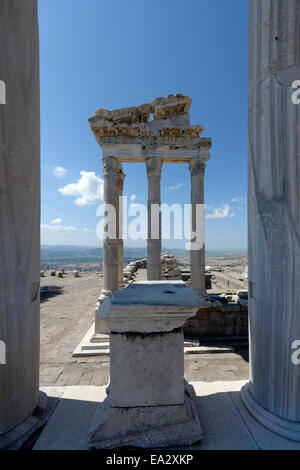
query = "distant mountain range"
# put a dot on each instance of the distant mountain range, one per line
(68, 254)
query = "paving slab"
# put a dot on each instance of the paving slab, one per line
(265, 440)
(226, 423)
(69, 425)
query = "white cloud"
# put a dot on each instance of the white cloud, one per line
(56, 222)
(220, 213)
(177, 186)
(57, 228)
(88, 230)
(59, 171)
(89, 188)
(133, 197)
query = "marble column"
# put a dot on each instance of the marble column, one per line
(197, 252)
(120, 227)
(111, 228)
(154, 166)
(19, 213)
(273, 394)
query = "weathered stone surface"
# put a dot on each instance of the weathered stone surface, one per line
(170, 127)
(197, 250)
(160, 306)
(154, 166)
(132, 115)
(173, 105)
(156, 378)
(146, 404)
(17, 438)
(19, 212)
(146, 427)
(274, 229)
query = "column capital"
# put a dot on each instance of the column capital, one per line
(110, 166)
(154, 166)
(197, 167)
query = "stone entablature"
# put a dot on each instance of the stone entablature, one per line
(169, 134)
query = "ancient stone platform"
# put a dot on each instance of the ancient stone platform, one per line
(226, 423)
(61, 332)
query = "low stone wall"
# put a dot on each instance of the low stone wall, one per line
(219, 321)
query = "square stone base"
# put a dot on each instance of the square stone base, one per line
(146, 370)
(146, 427)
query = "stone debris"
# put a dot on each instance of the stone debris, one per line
(169, 267)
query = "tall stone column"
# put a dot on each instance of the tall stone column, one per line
(273, 394)
(19, 213)
(111, 242)
(120, 227)
(197, 253)
(154, 166)
(111, 228)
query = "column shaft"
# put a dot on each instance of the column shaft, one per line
(274, 208)
(154, 219)
(111, 229)
(19, 213)
(197, 253)
(120, 231)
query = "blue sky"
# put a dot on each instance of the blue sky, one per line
(118, 53)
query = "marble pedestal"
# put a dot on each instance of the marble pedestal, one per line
(148, 402)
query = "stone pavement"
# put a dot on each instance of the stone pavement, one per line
(67, 312)
(226, 423)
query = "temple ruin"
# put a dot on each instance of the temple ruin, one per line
(262, 412)
(128, 135)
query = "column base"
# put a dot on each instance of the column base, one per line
(283, 427)
(154, 273)
(202, 291)
(146, 427)
(24, 435)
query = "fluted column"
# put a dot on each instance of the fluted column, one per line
(154, 166)
(111, 228)
(273, 394)
(120, 226)
(197, 253)
(19, 215)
